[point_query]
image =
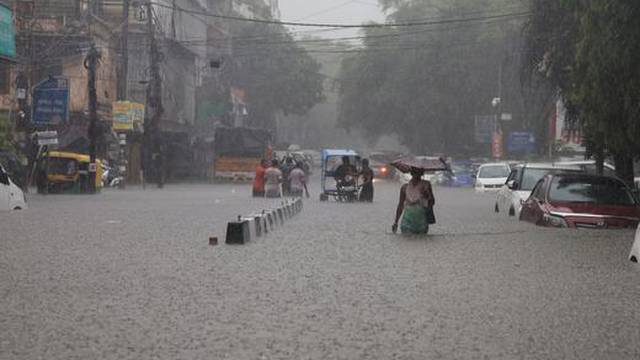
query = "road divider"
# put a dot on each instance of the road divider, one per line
(249, 227)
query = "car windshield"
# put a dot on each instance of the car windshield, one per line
(62, 166)
(531, 177)
(598, 190)
(494, 171)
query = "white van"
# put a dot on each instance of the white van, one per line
(11, 197)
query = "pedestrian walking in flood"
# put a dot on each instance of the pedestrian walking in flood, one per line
(286, 167)
(415, 205)
(273, 181)
(366, 193)
(258, 181)
(298, 181)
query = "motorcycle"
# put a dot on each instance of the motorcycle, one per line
(347, 189)
(111, 177)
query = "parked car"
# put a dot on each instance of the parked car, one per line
(581, 201)
(589, 166)
(11, 196)
(521, 180)
(634, 256)
(491, 177)
(14, 168)
(459, 176)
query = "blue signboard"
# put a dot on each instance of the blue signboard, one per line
(521, 142)
(7, 33)
(51, 101)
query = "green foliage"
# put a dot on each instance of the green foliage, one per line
(278, 76)
(590, 50)
(426, 83)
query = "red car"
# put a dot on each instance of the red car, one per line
(581, 201)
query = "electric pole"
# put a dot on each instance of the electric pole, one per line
(91, 63)
(154, 102)
(124, 53)
(122, 94)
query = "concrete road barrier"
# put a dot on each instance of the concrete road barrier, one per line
(250, 227)
(238, 232)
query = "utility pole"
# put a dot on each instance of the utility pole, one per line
(124, 53)
(122, 95)
(91, 63)
(154, 102)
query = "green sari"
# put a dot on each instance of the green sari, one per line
(414, 220)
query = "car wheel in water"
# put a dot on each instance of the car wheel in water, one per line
(633, 259)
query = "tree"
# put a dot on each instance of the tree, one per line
(590, 50)
(277, 74)
(426, 83)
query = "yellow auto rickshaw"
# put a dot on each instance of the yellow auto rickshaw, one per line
(61, 171)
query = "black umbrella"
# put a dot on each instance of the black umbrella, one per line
(426, 163)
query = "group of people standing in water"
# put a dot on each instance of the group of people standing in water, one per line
(414, 212)
(273, 180)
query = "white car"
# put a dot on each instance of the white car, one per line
(11, 197)
(634, 256)
(404, 178)
(522, 179)
(491, 177)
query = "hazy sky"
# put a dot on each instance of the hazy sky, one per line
(330, 11)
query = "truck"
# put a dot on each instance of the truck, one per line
(238, 151)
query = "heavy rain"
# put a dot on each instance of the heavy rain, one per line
(304, 179)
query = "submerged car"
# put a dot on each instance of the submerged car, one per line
(581, 201)
(491, 177)
(521, 181)
(634, 256)
(11, 196)
(459, 176)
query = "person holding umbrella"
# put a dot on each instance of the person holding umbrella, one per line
(416, 202)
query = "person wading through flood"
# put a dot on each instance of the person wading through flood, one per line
(366, 193)
(273, 179)
(258, 182)
(415, 205)
(298, 181)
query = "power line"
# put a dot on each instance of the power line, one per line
(328, 10)
(361, 26)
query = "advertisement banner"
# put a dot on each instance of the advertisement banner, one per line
(497, 147)
(485, 125)
(565, 131)
(7, 33)
(125, 114)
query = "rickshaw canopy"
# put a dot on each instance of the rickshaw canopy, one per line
(327, 153)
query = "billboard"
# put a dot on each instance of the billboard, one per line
(7, 33)
(485, 125)
(567, 132)
(125, 114)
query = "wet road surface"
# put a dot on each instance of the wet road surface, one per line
(130, 275)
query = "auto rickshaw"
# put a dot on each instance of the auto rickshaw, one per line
(66, 172)
(344, 190)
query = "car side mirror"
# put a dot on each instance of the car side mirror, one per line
(512, 184)
(4, 178)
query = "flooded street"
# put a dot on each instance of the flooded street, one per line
(130, 275)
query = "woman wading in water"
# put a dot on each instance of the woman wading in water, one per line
(415, 205)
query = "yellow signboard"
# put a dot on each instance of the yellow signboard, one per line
(126, 113)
